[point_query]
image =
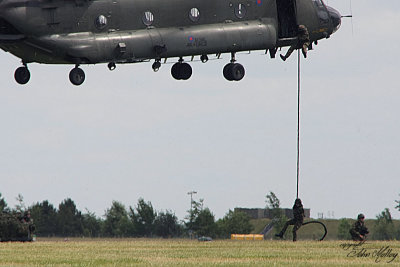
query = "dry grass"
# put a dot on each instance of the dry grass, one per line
(129, 252)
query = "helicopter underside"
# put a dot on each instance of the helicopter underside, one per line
(131, 46)
(143, 45)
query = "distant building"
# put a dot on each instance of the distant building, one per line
(266, 213)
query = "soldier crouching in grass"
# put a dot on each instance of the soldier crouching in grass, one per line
(297, 221)
(359, 231)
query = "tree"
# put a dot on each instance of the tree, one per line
(344, 230)
(234, 222)
(44, 217)
(204, 224)
(384, 228)
(398, 207)
(69, 219)
(91, 224)
(143, 218)
(166, 225)
(117, 223)
(20, 206)
(273, 205)
(195, 209)
(3, 205)
(272, 201)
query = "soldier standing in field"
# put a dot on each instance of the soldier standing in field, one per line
(303, 42)
(359, 231)
(297, 221)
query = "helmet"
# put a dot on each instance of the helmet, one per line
(360, 216)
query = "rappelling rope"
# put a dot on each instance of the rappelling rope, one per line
(298, 137)
(326, 231)
(298, 122)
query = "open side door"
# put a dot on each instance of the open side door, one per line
(287, 18)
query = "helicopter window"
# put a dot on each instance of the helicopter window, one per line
(101, 22)
(148, 18)
(194, 14)
(240, 11)
(323, 16)
(318, 3)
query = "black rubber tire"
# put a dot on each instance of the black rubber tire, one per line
(237, 72)
(22, 75)
(228, 71)
(77, 76)
(156, 66)
(175, 71)
(185, 71)
(204, 58)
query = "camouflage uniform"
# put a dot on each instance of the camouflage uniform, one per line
(359, 231)
(303, 42)
(297, 221)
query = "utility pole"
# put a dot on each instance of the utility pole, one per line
(191, 193)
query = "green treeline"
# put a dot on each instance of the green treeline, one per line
(142, 220)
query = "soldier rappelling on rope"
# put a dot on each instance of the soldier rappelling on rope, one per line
(297, 221)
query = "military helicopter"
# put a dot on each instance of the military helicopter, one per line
(132, 31)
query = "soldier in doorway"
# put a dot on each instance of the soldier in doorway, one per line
(303, 42)
(297, 221)
(359, 231)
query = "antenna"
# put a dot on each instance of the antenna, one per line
(351, 17)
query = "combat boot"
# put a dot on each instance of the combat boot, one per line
(294, 237)
(280, 235)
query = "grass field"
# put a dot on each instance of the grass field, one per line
(315, 231)
(129, 252)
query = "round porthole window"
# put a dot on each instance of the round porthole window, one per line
(194, 14)
(240, 11)
(101, 22)
(148, 18)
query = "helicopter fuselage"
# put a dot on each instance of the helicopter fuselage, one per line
(127, 31)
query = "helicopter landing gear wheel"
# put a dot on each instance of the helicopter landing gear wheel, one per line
(186, 71)
(204, 58)
(181, 71)
(22, 75)
(111, 66)
(228, 71)
(175, 71)
(238, 72)
(234, 72)
(77, 76)
(156, 65)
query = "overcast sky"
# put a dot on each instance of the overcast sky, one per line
(134, 133)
